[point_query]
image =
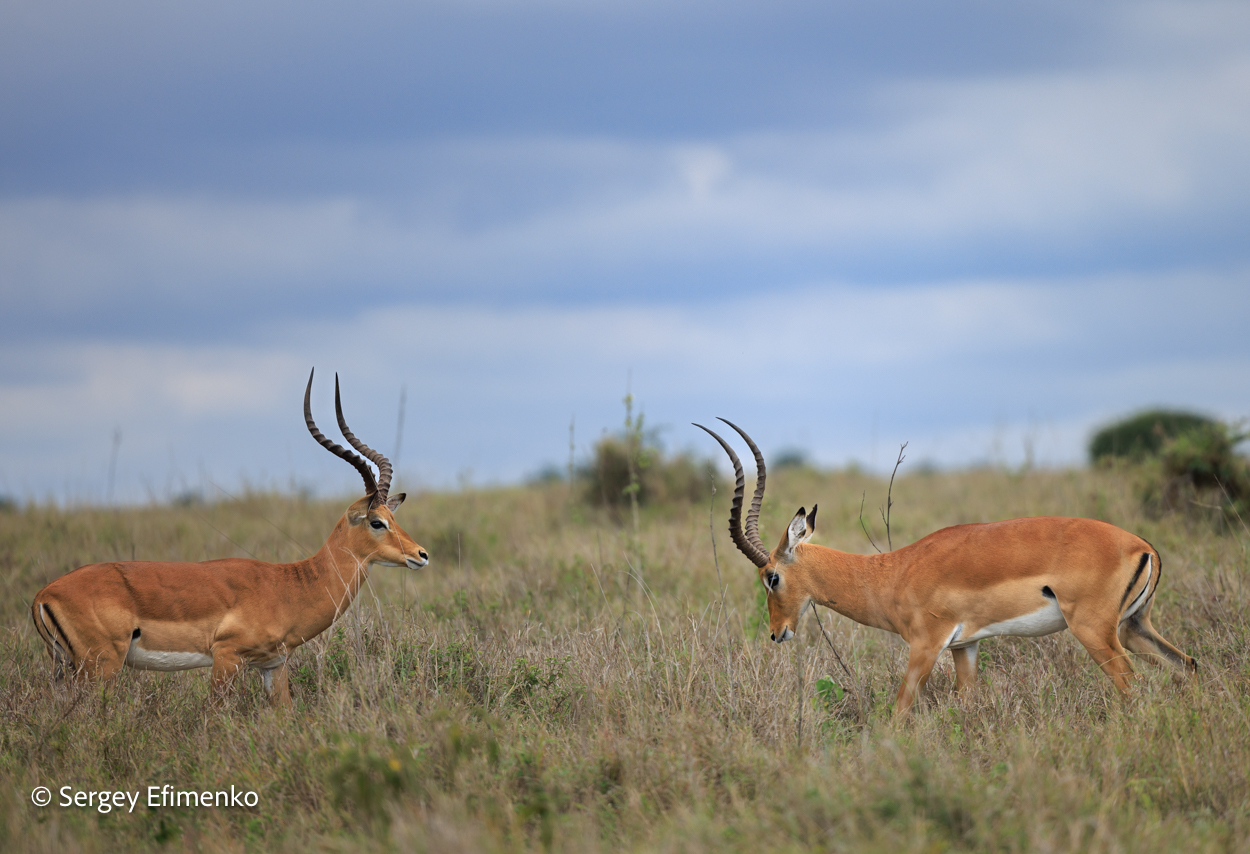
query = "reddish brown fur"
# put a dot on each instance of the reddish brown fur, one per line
(975, 576)
(236, 611)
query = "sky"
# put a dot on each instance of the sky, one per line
(984, 229)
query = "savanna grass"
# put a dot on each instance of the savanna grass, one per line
(549, 683)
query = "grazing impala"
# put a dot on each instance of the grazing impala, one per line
(960, 585)
(227, 613)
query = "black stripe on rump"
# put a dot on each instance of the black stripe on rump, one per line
(1141, 564)
(61, 632)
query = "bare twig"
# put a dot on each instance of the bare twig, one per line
(572, 447)
(399, 426)
(204, 519)
(711, 527)
(798, 666)
(633, 462)
(1233, 504)
(117, 443)
(889, 498)
(861, 711)
(637, 577)
(80, 691)
(862, 499)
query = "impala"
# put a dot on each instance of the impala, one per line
(963, 584)
(230, 613)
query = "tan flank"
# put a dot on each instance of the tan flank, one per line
(966, 583)
(227, 613)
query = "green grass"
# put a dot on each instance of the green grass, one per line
(525, 691)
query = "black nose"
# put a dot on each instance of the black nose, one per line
(773, 636)
(423, 555)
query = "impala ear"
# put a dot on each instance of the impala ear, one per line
(394, 501)
(799, 532)
(359, 511)
(811, 521)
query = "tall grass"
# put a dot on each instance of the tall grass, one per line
(525, 691)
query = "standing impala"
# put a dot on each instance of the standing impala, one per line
(229, 613)
(960, 585)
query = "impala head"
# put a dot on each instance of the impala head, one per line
(781, 571)
(370, 522)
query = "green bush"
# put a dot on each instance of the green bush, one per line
(1206, 457)
(1144, 435)
(1201, 472)
(660, 480)
(790, 458)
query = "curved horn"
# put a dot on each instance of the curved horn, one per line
(371, 485)
(753, 515)
(383, 464)
(751, 547)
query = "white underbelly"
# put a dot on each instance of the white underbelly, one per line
(1044, 621)
(146, 659)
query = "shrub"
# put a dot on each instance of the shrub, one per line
(1200, 471)
(1143, 435)
(1206, 457)
(790, 458)
(660, 480)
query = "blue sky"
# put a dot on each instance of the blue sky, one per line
(981, 228)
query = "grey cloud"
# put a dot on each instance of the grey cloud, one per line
(135, 94)
(1045, 174)
(948, 366)
(1033, 216)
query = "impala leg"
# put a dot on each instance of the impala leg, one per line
(227, 664)
(62, 664)
(1140, 637)
(96, 666)
(1103, 645)
(919, 665)
(965, 666)
(278, 687)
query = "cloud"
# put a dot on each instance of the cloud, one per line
(952, 224)
(1046, 171)
(967, 175)
(966, 371)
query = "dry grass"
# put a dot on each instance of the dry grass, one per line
(533, 689)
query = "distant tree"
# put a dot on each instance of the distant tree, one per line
(1187, 463)
(1206, 457)
(1144, 435)
(790, 458)
(659, 479)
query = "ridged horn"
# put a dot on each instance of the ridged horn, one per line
(753, 515)
(383, 464)
(371, 485)
(749, 544)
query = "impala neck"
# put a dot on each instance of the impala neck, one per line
(330, 580)
(856, 586)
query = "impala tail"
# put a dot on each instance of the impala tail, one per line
(1135, 629)
(60, 647)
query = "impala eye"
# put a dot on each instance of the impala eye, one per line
(773, 579)
(378, 524)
